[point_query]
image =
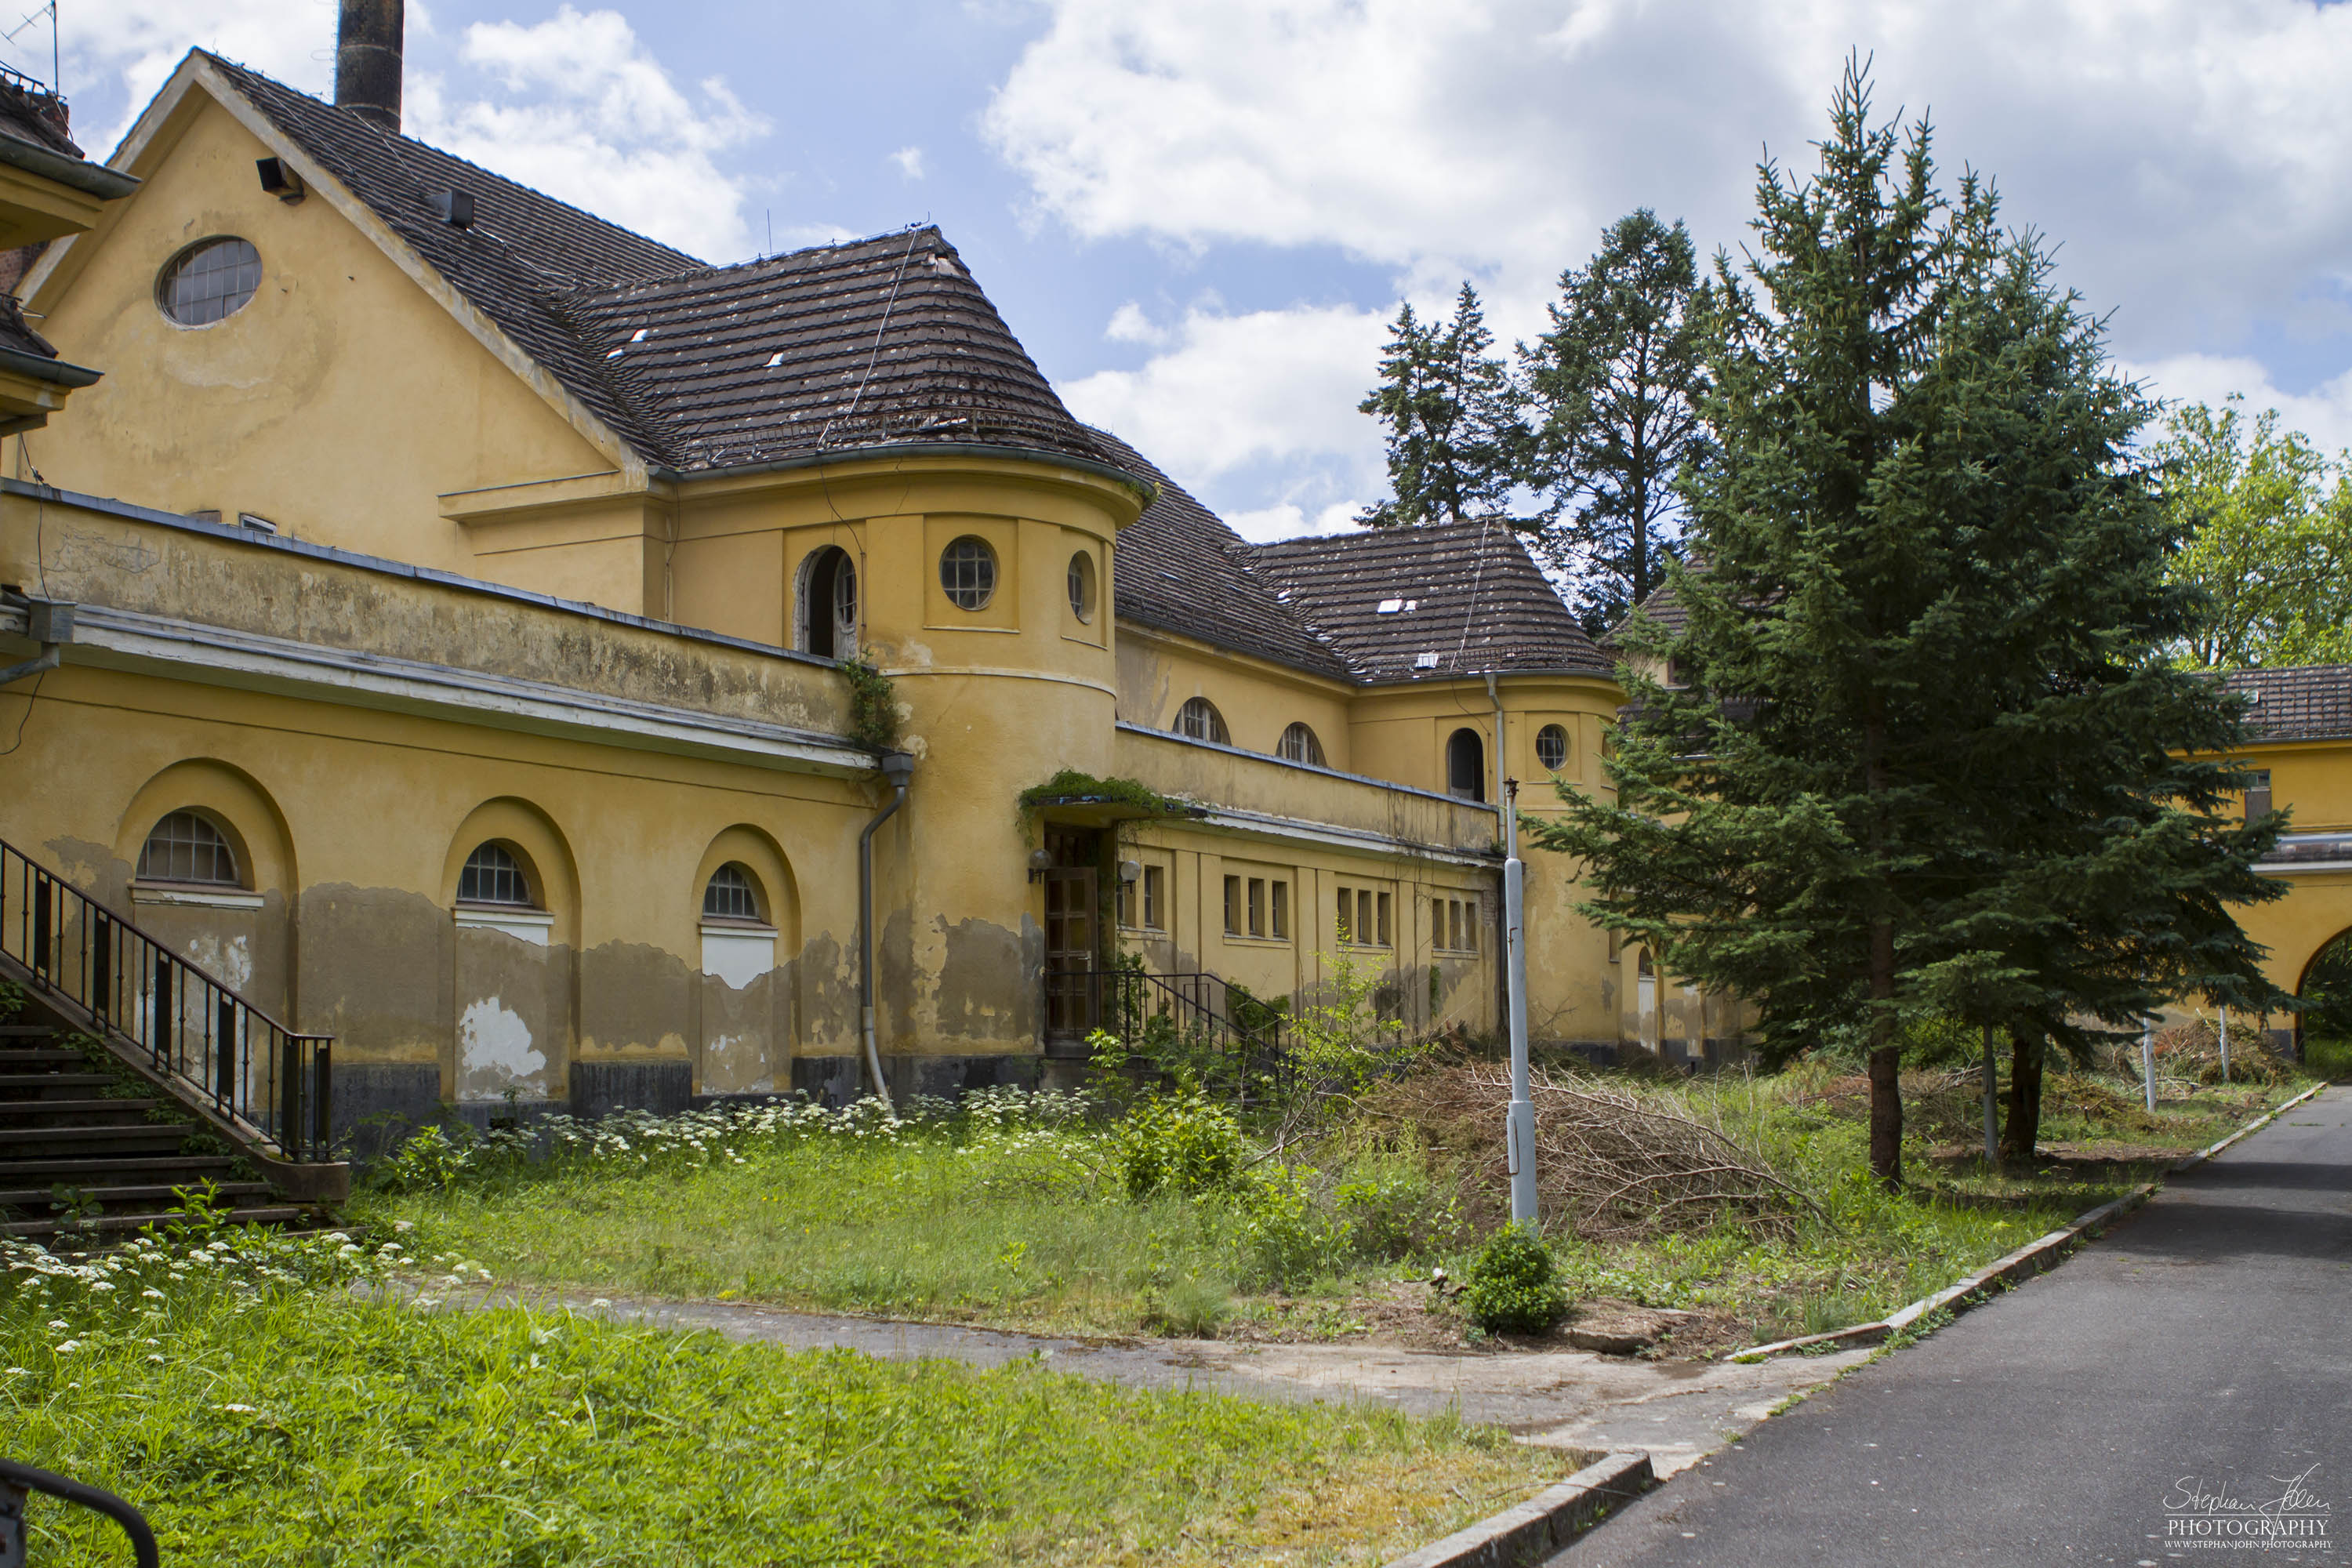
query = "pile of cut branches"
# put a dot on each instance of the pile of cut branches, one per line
(1610, 1165)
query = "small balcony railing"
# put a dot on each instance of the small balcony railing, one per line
(275, 1084)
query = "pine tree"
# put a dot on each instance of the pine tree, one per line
(1931, 759)
(1455, 439)
(1612, 383)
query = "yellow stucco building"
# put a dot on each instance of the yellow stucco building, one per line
(430, 617)
(460, 588)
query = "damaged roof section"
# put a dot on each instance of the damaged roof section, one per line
(1419, 604)
(878, 343)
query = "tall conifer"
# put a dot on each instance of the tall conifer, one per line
(1450, 412)
(1928, 757)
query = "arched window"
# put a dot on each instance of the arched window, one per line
(1552, 747)
(1466, 765)
(828, 608)
(1199, 719)
(1299, 745)
(1082, 586)
(967, 572)
(493, 876)
(732, 894)
(185, 848)
(210, 280)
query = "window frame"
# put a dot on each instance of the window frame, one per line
(179, 264)
(220, 843)
(985, 573)
(1080, 583)
(1196, 708)
(1300, 744)
(1233, 905)
(1155, 899)
(1558, 735)
(515, 866)
(756, 920)
(1477, 790)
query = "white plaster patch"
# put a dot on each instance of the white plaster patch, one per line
(228, 960)
(495, 1052)
(738, 957)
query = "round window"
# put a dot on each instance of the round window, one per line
(967, 572)
(1552, 747)
(210, 280)
(1082, 585)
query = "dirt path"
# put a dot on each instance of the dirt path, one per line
(1677, 1411)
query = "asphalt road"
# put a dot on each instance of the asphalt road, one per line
(2167, 1380)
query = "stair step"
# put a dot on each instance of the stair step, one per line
(13, 1111)
(25, 1031)
(19, 1060)
(11, 1082)
(40, 1197)
(25, 1143)
(185, 1170)
(122, 1222)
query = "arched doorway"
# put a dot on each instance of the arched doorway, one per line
(1466, 765)
(2322, 1030)
(828, 609)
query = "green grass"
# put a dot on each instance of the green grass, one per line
(1019, 1215)
(2328, 1059)
(262, 1416)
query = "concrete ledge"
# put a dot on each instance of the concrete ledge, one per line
(1545, 1522)
(2025, 1262)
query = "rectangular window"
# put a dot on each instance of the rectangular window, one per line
(1257, 906)
(1449, 930)
(1364, 926)
(1387, 912)
(1154, 895)
(1281, 911)
(2258, 793)
(1233, 905)
(1127, 905)
(1346, 928)
(1469, 925)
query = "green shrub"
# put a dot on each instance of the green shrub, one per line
(1179, 1144)
(12, 1001)
(1513, 1287)
(429, 1161)
(1396, 1212)
(1286, 1236)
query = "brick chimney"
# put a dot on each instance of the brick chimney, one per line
(367, 61)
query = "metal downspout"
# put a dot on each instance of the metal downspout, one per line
(897, 767)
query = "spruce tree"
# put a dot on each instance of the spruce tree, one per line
(1929, 758)
(1612, 385)
(1452, 414)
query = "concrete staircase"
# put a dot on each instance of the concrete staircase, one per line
(77, 1160)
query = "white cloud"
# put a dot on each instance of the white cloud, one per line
(2192, 157)
(1269, 394)
(592, 118)
(575, 105)
(1129, 324)
(909, 161)
(1290, 521)
(2324, 414)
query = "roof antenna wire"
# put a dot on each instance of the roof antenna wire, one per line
(875, 353)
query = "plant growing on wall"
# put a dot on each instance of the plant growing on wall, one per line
(873, 705)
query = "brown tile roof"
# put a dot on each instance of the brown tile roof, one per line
(1462, 599)
(1181, 570)
(2313, 703)
(880, 341)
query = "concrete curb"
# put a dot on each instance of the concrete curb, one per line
(1545, 1522)
(2026, 1261)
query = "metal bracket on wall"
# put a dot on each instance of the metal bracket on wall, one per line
(51, 622)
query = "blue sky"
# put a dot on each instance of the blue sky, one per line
(1198, 217)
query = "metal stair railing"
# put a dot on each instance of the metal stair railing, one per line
(275, 1084)
(1197, 1005)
